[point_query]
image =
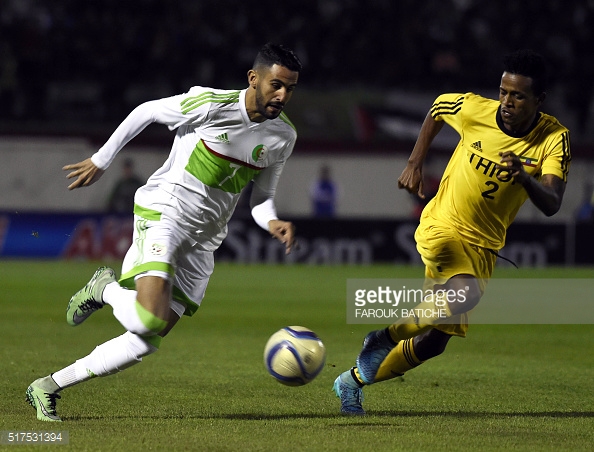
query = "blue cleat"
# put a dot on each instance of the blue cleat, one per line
(376, 346)
(350, 394)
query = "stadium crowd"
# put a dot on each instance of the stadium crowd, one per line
(105, 56)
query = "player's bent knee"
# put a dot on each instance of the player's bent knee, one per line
(149, 324)
(471, 300)
(469, 287)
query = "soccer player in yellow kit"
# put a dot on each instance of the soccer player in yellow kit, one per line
(508, 152)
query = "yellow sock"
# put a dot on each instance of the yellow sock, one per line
(434, 309)
(398, 361)
(357, 376)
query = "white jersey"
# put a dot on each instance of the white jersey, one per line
(216, 152)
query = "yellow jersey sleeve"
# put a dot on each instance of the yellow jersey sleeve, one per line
(558, 158)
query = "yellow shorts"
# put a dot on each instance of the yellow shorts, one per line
(446, 254)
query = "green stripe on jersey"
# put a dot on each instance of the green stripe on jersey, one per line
(217, 172)
(193, 102)
(286, 119)
(148, 214)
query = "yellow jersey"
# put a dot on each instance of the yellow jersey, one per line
(470, 197)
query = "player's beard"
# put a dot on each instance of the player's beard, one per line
(263, 107)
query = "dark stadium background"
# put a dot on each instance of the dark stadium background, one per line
(74, 69)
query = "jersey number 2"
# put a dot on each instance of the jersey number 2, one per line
(488, 193)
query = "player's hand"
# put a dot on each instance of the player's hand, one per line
(86, 173)
(512, 166)
(411, 180)
(283, 231)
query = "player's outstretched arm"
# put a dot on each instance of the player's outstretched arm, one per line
(411, 178)
(86, 173)
(546, 195)
(284, 231)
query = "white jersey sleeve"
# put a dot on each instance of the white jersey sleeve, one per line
(168, 111)
(264, 190)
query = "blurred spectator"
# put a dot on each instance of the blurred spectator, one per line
(121, 200)
(585, 212)
(324, 194)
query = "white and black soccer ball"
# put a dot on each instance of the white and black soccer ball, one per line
(294, 355)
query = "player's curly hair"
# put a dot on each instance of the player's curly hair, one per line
(272, 54)
(528, 63)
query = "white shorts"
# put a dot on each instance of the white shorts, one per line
(162, 245)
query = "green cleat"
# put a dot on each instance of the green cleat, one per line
(90, 298)
(42, 395)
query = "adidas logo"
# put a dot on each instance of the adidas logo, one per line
(477, 145)
(223, 138)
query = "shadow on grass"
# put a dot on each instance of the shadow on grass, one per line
(372, 414)
(487, 414)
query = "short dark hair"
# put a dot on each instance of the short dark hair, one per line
(528, 63)
(272, 54)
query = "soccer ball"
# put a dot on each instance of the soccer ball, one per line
(294, 355)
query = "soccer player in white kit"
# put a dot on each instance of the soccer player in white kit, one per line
(224, 140)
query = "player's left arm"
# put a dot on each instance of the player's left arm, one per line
(546, 194)
(264, 214)
(264, 209)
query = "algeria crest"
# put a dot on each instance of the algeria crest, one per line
(158, 249)
(259, 153)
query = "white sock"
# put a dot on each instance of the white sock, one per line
(124, 304)
(108, 358)
(114, 293)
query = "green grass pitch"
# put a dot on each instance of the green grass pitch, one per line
(504, 387)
